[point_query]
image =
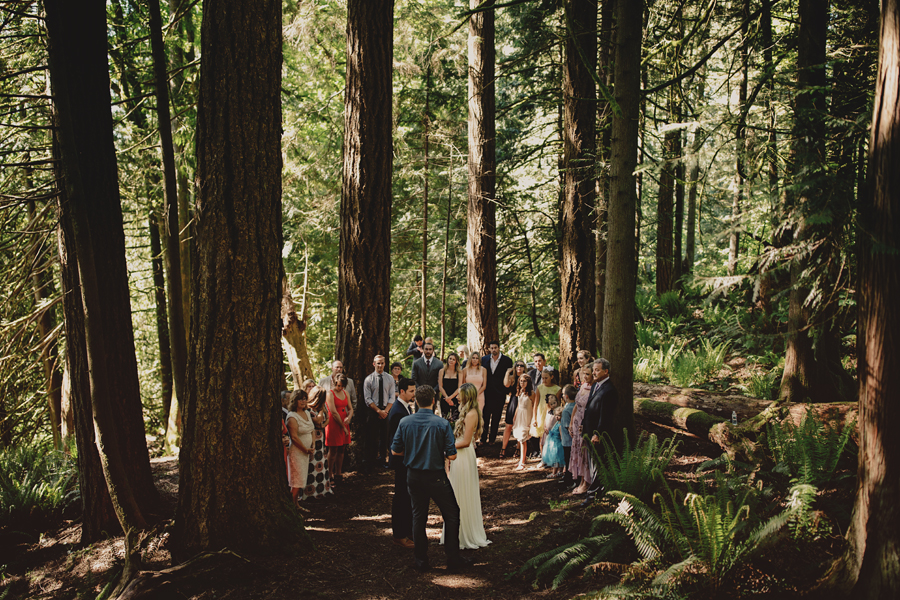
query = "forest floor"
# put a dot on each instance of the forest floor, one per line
(351, 555)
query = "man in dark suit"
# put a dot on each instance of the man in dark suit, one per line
(599, 417)
(495, 392)
(401, 507)
(426, 369)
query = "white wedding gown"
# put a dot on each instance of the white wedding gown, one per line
(464, 480)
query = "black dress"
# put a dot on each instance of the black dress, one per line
(450, 412)
(512, 407)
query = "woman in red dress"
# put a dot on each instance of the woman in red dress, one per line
(337, 430)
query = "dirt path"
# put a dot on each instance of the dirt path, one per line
(351, 554)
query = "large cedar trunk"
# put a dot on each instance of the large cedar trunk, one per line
(79, 77)
(98, 517)
(577, 326)
(481, 241)
(621, 268)
(807, 154)
(665, 261)
(870, 567)
(364, 291)
(232, 489)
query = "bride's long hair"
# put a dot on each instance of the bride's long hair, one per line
(468, 400)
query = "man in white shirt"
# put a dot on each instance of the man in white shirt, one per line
(378, 392)
(327, 383)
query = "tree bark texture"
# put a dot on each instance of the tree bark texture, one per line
(606, 51)
(807, 154)
(621, 267)
(740, 149)
(79, 77)
(870, 567)
(98, 517)
(162, 317)
(364, 290)
(232, 486)
(481, 240)
(665, 258)
(177, 334)
(577, 325)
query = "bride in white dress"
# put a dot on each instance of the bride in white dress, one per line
(464, 471)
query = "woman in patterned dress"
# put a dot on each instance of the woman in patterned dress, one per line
(579, 463)
(318, 484)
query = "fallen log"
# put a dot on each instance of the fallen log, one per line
(714, 403)
(693, 420)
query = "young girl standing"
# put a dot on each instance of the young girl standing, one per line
(547, 387)
(524, 416)
(552, 452)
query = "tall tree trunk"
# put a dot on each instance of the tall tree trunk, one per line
(678, 230)
(162, 317)
(481, 240)
(364, 291)
(665, 259)
(232, 489)
(98, 516)
(740, 150)
(606, 53)
(446, 254)
(870, 566)
(79, 76)
(808, 158)
(177, 336)
(577, 328)
(423, 308)
(621, 276)
(693, 178)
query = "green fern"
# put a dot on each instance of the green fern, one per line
(35, 483)
(565, 561)
(636, 469)
(672, 304)
(808, 453)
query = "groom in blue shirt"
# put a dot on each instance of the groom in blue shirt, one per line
(424, 440)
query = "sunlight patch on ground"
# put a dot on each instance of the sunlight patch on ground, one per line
(459, 581)
(371, 518)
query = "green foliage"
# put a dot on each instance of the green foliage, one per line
(567, 560)
(762, 384)
(706, 532)
(811, 452)
(672, 304)
(636, 469)
(35, 484)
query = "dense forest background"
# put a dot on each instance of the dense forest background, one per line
(694, 190)
(715, 168)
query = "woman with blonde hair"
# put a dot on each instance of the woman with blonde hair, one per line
(464, 471)
(475, 374)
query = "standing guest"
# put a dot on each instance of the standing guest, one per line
(401, 506)
(285, 434)
(539, 363)
(464, 472)
(524, 416)
(578, 463)
(599, 418)
(552, 453)
(337, 430)
(318, 481)
(300, 426)
(415, 347)
(545, 389)
(463, 351)
(307, 385)
(378, 391)
(425, 370)
(496, 365)
(475, 374)
(584, 359)
(327, 383)
(424, 441)
(396, 373)
(565, 421)
(510, 381)
(448, 385)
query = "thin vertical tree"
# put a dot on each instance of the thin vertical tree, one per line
(79, 77)
(364, 290)
(231, 475)
(606, 52)
(740, 143)
(870, 566)
(577, 326)
(621, 266)
(481, 241)
(665, 259)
